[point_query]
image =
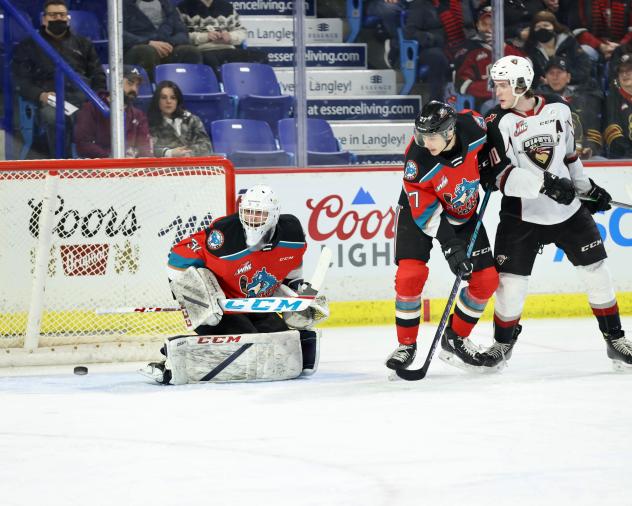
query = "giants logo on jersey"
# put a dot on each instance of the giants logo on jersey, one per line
(540, 149)
(465, 196)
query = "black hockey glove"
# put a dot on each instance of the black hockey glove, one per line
(601, 199)
(486, 173)
(560, 189)
(454, 251)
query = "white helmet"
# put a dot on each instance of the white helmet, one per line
(259, 213)
(515, 69)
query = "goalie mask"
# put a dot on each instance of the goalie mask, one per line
(259, 214)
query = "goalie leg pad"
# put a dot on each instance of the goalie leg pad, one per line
(235, 358)
(197, 290)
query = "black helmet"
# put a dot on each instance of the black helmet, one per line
(435, 118)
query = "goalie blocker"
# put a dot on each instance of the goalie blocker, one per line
(237, 358)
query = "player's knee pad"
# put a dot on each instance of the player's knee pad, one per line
(510, 294)
(410, 277)
(483, 283)
(238, 358)
(596, 278)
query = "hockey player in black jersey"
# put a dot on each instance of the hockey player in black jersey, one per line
(536, 168)
(439, 200)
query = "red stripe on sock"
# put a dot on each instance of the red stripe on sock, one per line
(606, 311)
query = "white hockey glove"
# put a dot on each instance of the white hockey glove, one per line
(197, 290)
(317, 312)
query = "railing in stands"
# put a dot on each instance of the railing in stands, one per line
(63, 71)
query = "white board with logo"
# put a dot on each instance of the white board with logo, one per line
(341, 82)
(353, 212)
(279, 30)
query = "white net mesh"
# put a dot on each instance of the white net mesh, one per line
(106, 248)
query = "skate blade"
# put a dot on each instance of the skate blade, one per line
(620, 366)
(152, 373)
(455, 361)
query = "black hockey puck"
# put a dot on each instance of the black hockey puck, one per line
(81, 370)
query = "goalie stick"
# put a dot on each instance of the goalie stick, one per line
(417, 374)
(292, 302)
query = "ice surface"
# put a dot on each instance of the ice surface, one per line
(552, 429)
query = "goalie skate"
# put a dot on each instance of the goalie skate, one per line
(157, 372)
(619, 350)
(461, 352)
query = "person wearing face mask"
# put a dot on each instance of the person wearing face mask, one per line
(473, 62)
(548, 38)
(34, 71)
(92, 132)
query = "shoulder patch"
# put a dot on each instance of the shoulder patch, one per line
(490, 118)
(215, 240)
(411, 170)
(480, 121)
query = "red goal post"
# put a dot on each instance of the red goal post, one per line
(80, 236)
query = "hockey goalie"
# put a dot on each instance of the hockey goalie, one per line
(255, 253)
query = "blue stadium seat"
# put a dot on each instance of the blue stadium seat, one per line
(357, 19)
(17, 32)
(145, 91)
(409, 63)
(87, 24)
(257, 92)
(28, 125)
(248, 143)
(322, 146)
(202, 94)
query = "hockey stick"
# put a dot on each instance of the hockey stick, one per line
(292, 302)
(612, 202)
(417, 374)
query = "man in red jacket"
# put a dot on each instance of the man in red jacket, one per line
(92, 130)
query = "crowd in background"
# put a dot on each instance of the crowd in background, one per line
(580, 49)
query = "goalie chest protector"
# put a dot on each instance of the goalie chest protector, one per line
(241, 272)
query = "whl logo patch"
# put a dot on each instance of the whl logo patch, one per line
(540, 149)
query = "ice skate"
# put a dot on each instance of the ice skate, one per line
(157, 372)
(619, 351)
(460, 352)
(402, 357)
(495, 357)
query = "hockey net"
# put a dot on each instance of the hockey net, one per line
(82, 237)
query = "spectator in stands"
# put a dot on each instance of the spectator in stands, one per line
(389, 12)
(618, 132)
(34, 71)
(548, 38)
(474, 61)
(600, 26)
(174, 130)
(586, 103)
(92, 133)
(215, 29)
(153, 33)
(438, 27)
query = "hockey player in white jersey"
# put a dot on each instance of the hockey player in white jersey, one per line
(536, 168)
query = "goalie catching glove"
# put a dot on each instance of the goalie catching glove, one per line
(198, 291)
(317, 312)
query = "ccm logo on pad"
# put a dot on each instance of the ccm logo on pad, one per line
(218, 339)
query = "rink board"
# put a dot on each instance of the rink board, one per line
(353, 212)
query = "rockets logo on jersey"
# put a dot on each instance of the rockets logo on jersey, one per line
(215, 240)
(480, 120)
(262, 284)
(465, 196)
(540, 150)
(411, 170)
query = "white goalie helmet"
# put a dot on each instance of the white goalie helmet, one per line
(259, 213)
(515, 69)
